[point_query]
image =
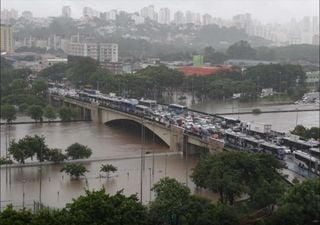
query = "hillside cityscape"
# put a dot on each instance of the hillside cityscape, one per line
(158, 115)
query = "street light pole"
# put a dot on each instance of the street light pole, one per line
(141, 160)
(153, 157)
(296, 116)
(150, 184)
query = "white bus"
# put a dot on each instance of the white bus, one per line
(307, 161)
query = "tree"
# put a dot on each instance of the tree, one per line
(234, 173)
(8, 113)
(66, 114)
(108, 168)
(74, 170)
(35, 112)
(200, 211)
(56, 155)
(241, 50)
(97, 207)
(300, 205)
(78, 151)
(168, 206)
(299, 130)
(313, 132)
(50, 113)
(10, 216)
(39, 87)
(27, 147)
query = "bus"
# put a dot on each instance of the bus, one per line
(128, 105)
(296, 144)
(315, 152)
(142, 110)
(252, 144)
(277, 151)
(152, 104)
(307, 161)
(178, 109)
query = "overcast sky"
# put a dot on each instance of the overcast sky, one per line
(264, 10)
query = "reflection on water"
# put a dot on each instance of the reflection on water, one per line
(58, 189)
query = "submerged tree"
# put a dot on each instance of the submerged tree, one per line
(74, 170)
(107, 169)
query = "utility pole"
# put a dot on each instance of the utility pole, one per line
(141, 160)
(40, 175)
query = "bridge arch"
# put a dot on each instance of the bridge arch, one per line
(160, 130)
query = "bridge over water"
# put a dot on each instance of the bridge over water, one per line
(175, 137)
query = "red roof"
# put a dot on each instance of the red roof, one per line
(203, 70)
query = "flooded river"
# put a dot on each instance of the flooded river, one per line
(113, 141)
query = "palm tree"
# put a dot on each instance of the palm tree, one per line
(107, 169)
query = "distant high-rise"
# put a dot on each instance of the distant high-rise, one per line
(66, 11)
(178, 17)
(89, 13)
(27, 15)
(315, 25)
(148, 12)
(206, 19)
(102, 52)
(6, 39)
(164, 16)
(189, 17)
(7, 15)
(111, 15)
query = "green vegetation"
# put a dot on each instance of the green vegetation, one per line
(67, 114)
(78, 151)
(74, 170)
(305, 133)
(35, 112)
(50, 113)
(29, 146)
(4, 160)
(107, 169)
(256, 111)
(56, 155)
(233, 174)
(8, 113)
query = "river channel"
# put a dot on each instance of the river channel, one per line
(113, 141)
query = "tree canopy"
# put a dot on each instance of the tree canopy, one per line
(8, 113)
(74, 170)
(27, 147)
(78, 151)
(235, 173)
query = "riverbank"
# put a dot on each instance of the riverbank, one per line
(43, 122)
(92, 159)
(271, 111)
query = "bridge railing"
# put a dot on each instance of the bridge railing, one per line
(148, 117)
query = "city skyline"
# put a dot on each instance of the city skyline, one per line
(282, 11)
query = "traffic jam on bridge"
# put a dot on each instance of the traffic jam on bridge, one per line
(249, 137)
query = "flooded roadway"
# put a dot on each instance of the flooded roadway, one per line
(105, 141)
(112, 141)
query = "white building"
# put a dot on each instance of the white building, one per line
(102, 52)
(137, 18)
(178, 17)
(27, 15)
(164, 16)
(66, 11)
(90, 13)
(112, 15)
(148, 12)
(206, 19)
(7, 15)
(108, 52)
